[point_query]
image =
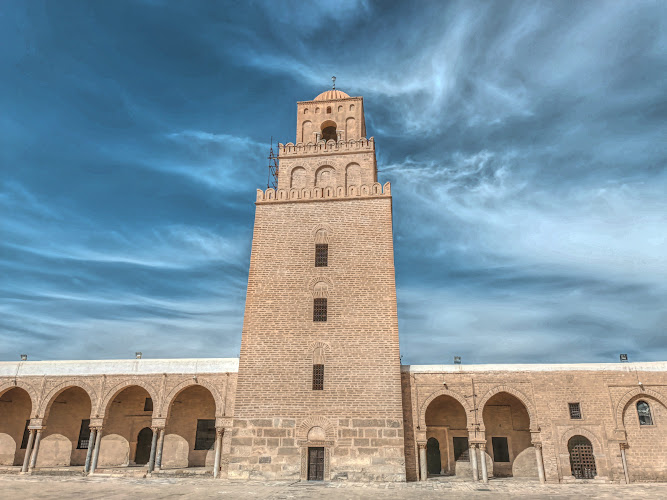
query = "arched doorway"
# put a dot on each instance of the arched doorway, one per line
(190, 430)
(582, 460)
(433, 456)
(144, 440)
(446, 422)
(65, 437)
(509, 443)
(15, 408)
(130, 411)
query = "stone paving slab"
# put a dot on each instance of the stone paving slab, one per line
(84, 488)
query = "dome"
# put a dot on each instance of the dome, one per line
(330, 95)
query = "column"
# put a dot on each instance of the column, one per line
(482, 456)
(218, 452)
(226, 450)
(473, 460)
(423, 471)
(540, 462)
(89, 453)
(96, 452)
(160, 445)
(28, 450)
(625, 463)
(35, 450)
(151, 460)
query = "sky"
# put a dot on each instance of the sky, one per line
(526, 144)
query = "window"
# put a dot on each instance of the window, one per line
(501, 452)
(26, 435)
(205, 439)
(84, 435)
(318, 377)
(320, 309)
(461, 449)
(575, 411)
(148, 404)
(321, 255)
(644, 413)
(328, 109)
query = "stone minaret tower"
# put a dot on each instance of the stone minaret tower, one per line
(319, 384)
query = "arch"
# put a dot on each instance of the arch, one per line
(377, 188)
(17, 407)
(628, 396)
(328, 129)
(298, 178)
(443, 392)
(313, 282)
(433, 462)
(328, 109)
(350, 128)
(32, 393)
(306, 131)
(165, 407)
(642, 407)
(582, 431)
(310, 422)
(322, 234)
(351, 107)
(143, 451)
(118, 388)
(325, 176)
(352, 175)
(47, 401)
(340, 108)
(305, 111)
(582, 457)
(321, 289)
(321, 345)
(517, 394)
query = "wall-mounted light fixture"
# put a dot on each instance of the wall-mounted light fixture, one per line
(138, 355)
(24, 357)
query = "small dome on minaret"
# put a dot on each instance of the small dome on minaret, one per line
(330, 95)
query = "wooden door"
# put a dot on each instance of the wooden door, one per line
(315, 464)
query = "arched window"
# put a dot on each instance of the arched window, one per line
(305, 111)
(644, 413)
(328, 109)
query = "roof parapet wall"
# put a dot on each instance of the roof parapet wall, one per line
(375, 190)
(322, 147)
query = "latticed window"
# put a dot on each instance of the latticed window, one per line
(84, 435)
(320, 309)
(205, 438)
(318, 377)
(644, 413)
(575, 411)
(321, 255)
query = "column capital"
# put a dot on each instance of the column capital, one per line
(421, 444)
(624, 445)
(537, 444)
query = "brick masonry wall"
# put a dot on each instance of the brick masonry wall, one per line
(360, 406)
(546, 394)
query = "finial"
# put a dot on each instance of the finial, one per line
(333, 79)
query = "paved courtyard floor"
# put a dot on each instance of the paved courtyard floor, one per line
(81, 488)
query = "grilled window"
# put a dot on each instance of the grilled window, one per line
(644, 413)
(321, 255)
(320, 309)
(84, 435)
(575, 411)
(501, 452)
(205, 439)
(148, 404)
(318, 377)
(26, 435)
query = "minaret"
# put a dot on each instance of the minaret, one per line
(319, 383)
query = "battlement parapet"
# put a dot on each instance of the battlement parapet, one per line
(318, 193)
(326, 147)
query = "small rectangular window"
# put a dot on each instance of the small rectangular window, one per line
(84, 435)
(318, 377)
(205, 438)
(501, 452)
(461, 449)
(321, 255)
(26, 435)
(148, 404)
(320, 310)
(575, 411)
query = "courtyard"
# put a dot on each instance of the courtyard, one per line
(43, 487)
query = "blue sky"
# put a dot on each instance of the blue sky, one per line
(525, 144)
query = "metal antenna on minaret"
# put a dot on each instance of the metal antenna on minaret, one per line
(333, 79)
(272, 182)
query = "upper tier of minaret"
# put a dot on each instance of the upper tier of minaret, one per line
(332, 115)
